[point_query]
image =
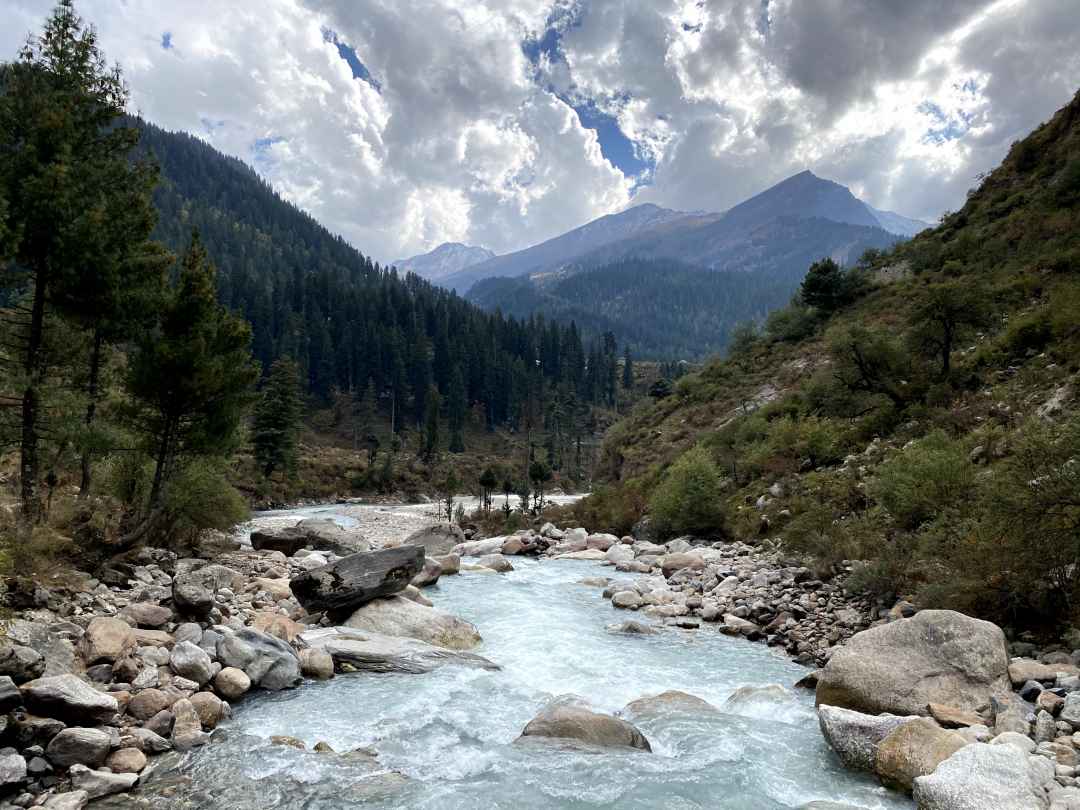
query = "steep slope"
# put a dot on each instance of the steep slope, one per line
(445, 260)
(921, 416)
(554, 253)
(897, 223)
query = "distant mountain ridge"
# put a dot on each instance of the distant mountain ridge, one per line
(698, 239)
(445, 260)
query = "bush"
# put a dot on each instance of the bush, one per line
(688, 500)
(791, 324)
(200, 497)
(927, 478)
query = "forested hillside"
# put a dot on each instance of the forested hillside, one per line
(916, 415)
(666, 308)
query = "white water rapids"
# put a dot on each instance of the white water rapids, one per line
(445, 740)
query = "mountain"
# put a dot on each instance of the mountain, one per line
(555, 252)
(447, 259)
(898, 224)
(921, 427)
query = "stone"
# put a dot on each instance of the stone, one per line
(106, 640)
(670, 563)
(854, 736)
(326, 535)
(357, 579)
(73, 800)
(161, 723)
(100, 783)
(279, 589)
(1022, 670)
(209, 708)
(187, 730)
(291, 742)
(317, 664)
(618, 554)
(19, 662)
(429, 574)
(397, 616)
(626, 600)
(276, 625)
(12, 770)
(232, 683)
(147, 703)
(78, 746)
(147, 741)
(601, 541)
(438, 539)
(1070, 711)
(912, 750)
(979, 777)
(146, 615)
(632, 628)
(667, 702)
(126, 760)
(1021, 741)
(10, 696)
(450, 564)
(937, 656)
(733, 625)
(952, 717)
(496, 562)
(68, 697)
(190, 661)
(192, 599)
(512, 546)
(562, 720)
(478, 548)
(373, 652)
(269, 662)
(154, 638)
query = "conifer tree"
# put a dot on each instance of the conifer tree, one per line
(276, 423)
(627, 370)
(455, 412)
(430, 445)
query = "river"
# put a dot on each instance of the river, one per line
(445, 740)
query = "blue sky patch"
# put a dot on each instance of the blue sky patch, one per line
(348, 54)
(945, 128)
(166, 41)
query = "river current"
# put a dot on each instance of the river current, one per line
(445, 740)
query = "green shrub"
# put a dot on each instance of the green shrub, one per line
(200, 497)
(688, 500)
(932, 475)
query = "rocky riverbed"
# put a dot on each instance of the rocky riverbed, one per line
(129, 681)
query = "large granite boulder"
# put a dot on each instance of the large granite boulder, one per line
(398, 616)
(436, 540)
(980, 777)
(68, 698)
(79, 746)
(31, 636)
(563, 720)
(937, 656)
(106, 640)
(321, 534)
(854, 736)
(269, 662)
(914, 749)
(20, 663)
(374, 652)
(357, 579)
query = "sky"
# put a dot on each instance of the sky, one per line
(402, 124)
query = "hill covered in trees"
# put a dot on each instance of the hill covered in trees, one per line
(916, 417)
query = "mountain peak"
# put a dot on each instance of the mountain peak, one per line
(444, 260)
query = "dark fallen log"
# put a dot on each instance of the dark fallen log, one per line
(352, 581)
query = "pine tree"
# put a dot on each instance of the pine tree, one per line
(276, 424)
(627, 370)
(191, 376)
(430, 445)
(456, 407)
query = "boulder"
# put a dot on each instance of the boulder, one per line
(398, 616)
(72, 800)
(937, 656)
(666, 702)
(100, 783)
(79, 746)
(161, 723)
(980, 776)
(626, 600)
(914, 749)
(154, 638)
(209, 708)
(106, 640)
(357, 579)
(69, 698)
(20, 663)
(187, 730)
(632, 628)
(374, 652)
(279, 589)
(1022, 670)
(146, 741)
(854, 736)
(268, 662)
(450, 564)
(670, 563)
(192, 599)
(232, 683)
(429, 573)
(952, 717)
(188, 660)
(478, 548)
(12, 770)
(562, 720)
(317, 664)
(496, 562)
(601, 541)
(438, 539)
(10, 696)
(618, 554)
(147, 703)
(55, 649)
(326, 535)
(276, 625)
(146, 615)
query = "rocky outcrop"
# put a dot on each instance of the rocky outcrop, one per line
(366, 651)
(567, 721)
(938, 656)
(398, 616)
(357, 579)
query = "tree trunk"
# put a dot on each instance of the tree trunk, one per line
(29, 461)
(159, 467)
(92, 390)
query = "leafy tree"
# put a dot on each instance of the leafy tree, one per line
(661, 389)
(276, 424)
(688, 500)
(872, 362)
(191, 376)
(943, 315)
(507, 490)
(489, 479)
(60, 149)
(449, 488)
